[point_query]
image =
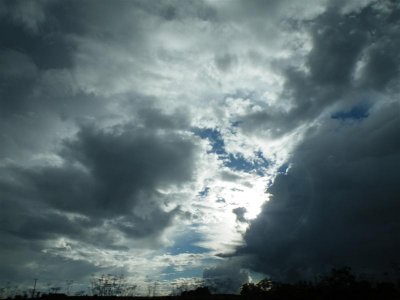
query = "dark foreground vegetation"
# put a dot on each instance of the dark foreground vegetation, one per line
(339, 284)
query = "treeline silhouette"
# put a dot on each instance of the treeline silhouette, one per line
(338, 284)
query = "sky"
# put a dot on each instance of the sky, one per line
(216, 141)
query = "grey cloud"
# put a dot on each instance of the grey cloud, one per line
(149, 116)
(225, 62)
(240, 212)
(17, 70)
(336, 205)
(41, 92)
(106, 186)
(28, 28)
(226, 277)
(342, 44)
(142, 226)
(175, 11)
(24, 260)
(249, 11)
(337, 43)
(29, 15)
(230, 176)
(98, 179)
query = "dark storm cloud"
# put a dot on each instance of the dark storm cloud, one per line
(337, 42)
(138, 161)
(351, 53)
(47, 51)
(31, 29)
(337, 203)
(18, 76)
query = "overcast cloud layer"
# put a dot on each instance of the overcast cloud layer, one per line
(175, 140)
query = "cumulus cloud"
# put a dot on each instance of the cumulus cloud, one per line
(105, 189)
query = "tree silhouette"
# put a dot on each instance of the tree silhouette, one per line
(338, 284)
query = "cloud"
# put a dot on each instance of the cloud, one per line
(105, 191)
(18, 69)
(334, 204)
(226, 277)
(97, 179)
(342, 45)
(240, 214)
(30, 15)
(24, 260)
(225, 62)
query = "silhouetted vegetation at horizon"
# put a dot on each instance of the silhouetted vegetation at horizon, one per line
(338, 284)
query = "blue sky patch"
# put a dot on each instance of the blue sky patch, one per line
(234, 162)
(214, 137)
(358, 112)
(204, 192)
(187, 244)
(239, 163)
